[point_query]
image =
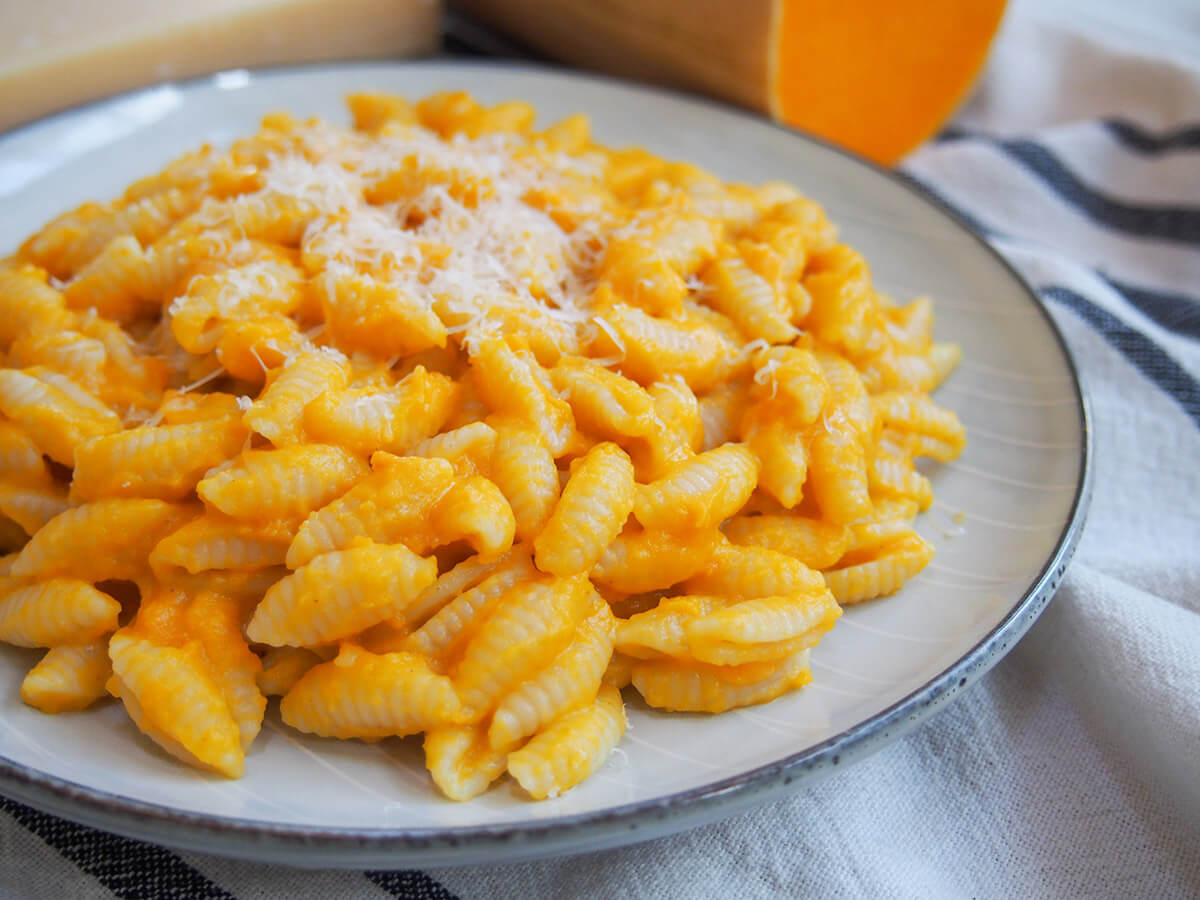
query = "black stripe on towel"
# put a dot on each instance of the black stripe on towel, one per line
(1180, 224)
(1150, 359)
(1178, 313)
(1185, 137)
(410, 885)
(132, 870)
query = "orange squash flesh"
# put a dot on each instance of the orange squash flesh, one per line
(878, 76)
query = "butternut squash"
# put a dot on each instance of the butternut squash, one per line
(876, 76)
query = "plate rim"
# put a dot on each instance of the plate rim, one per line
(316, 845)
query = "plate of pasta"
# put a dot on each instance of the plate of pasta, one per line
(442, 462)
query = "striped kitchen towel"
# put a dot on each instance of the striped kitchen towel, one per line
(1073, 768)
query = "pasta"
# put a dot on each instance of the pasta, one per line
(439, 424)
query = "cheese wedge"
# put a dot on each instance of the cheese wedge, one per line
(877, 76)
(57, 53)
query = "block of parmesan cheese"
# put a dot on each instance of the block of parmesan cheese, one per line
(57, 53)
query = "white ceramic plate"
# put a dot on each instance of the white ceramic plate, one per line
(1005, 521)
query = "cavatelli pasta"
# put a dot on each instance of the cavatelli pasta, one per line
(340, 594)
(371, 696)
(591, 512)
(445, 424)
(571, 748)
(68, 678)
(287, 483)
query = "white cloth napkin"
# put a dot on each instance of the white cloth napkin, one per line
(1073, 768)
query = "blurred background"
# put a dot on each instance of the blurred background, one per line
(877, 76)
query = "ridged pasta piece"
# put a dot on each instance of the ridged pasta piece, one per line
(74, 238)
(750, 301)
(678, 431)
(101, 540)
(282, 667)
(635, 273)
(164, 462)
(442, 636)
(474, 510)
(890, 521)
(661, 631)
(268, 216)
(699, 493)
(783, 455)
(100, 359)
(838, 477)
(524, 630)
(449, 585)
(27, 304)
(570, 681)
(57, 415)
(619, 673)
(246, 586)
(603, 402)
(652, 349)
(340, 594)
(523, 468)
(278, 413)
(849, 406)
(31, 503)
(700, 687)
(569, 135)
(461, 761)
(288, 483)
(250, 348)
(571, 748)
(911, 325)
(216, 621)
(81, 358)
(893, 477)
(56, 611)
(370, 696)
(920, 415)
(68, 678)
(763, 628)
(110, 282)
(254, 289)
(514, 385)
(944, 358)
(215, 541)
(748, 571)
(20, 459)
(468, 448)
(792, 380)
(591, 512)
(391, 504)
(394, 419)
(893, 565)
(185, 408)
(173, 698)
(368, 314)
(815, 543)
(651, 560)
(839, 283)
(371, 111)
(721, 412)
